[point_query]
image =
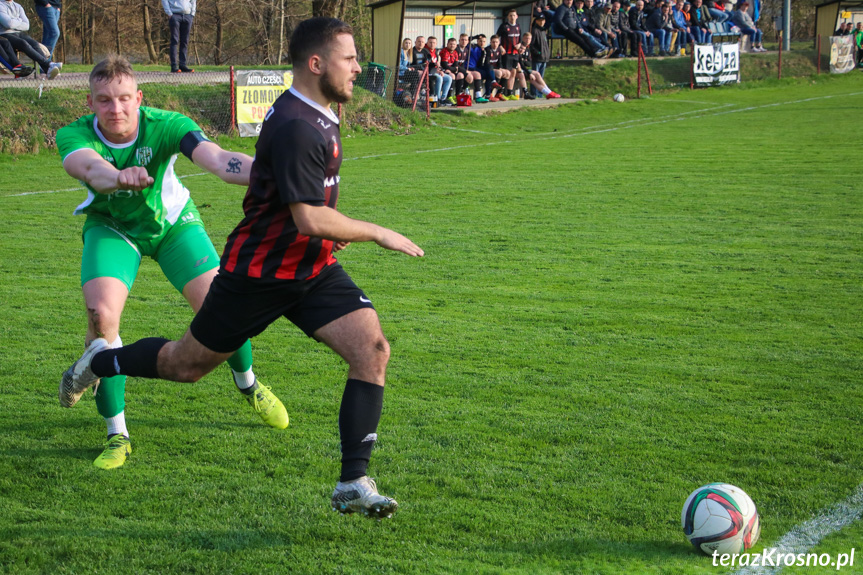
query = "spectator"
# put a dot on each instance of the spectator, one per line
(717, 11)
(566, 24)
(858, 40)
(510, 36)
(13, 27)
(680, 21)
(604, 25)
(9, 59)
(586, 17)
(478, 64)
(449, 66)
(659, 24)
(494, 59)
(849, 29)
(419, 54)
(620, 25)
(743, 20)
(539, 49)
(640, 33)
(699, 18)
(181, 16)
(49, 13)
(472, 79)
(841, 31)
(528, 74)
(441, 82)
(408, 74)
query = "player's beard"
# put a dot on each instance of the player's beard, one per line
(331, 91)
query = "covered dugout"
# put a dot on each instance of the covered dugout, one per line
(829, 15)
(393, 20)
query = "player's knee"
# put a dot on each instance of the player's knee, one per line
(102, 318)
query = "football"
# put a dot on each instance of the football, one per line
(722, 518)
(619, 97)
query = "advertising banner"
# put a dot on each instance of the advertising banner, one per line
(842, 52)
(256, 90)
(716, 64)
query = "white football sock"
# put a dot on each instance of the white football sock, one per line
(117, 424)
(244, 379)
(546, 91)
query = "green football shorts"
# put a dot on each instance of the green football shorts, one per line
(184, 252)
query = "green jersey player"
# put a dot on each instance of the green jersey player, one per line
(124, 154)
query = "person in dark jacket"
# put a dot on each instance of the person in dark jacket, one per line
(659, 24)
(539, 50)
(640, 32)
(699, 19)
(620, 26)
(566, 24)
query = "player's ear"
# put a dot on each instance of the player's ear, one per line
(316, 64)
(139, 97)
(90, 102)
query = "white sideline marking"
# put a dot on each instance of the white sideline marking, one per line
(808, 534)
(527, 137)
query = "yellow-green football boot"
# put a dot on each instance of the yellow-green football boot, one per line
(117, 449)
(268, 406)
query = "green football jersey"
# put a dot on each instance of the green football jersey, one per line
(147, 214)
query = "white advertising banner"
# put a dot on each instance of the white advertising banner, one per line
(715, 64)
(842, 52)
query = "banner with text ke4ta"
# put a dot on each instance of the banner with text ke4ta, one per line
(716, 64)
(256, 90)
(842, 52)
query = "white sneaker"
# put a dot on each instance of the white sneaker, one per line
(53, 70)
(361, 496)
(78, 378)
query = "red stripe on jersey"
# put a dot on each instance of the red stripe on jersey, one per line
(273, 232)
(325, 258)
(288, 268)
(231, 264)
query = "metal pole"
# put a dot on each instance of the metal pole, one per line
(640, 57)
(233, 103)
(691, 67)
(786, 25)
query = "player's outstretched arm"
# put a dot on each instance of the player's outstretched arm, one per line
(89, 167)
(232, 167)
(327, 223)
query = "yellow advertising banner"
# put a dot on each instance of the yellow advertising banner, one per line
(256, 90)
(444, 20)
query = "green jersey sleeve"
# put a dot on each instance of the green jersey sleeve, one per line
(77, 135)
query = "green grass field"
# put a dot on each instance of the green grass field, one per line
(618, 303)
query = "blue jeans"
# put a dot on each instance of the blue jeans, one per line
(701, 37)
(718, 15)
(646, 43)
(663, 38)
(754, 35)
(441, 85)
(50, 16)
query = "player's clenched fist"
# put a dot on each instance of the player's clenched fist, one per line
(135, 178)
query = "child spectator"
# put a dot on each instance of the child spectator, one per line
(539, 50)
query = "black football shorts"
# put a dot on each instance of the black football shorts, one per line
(238, 307)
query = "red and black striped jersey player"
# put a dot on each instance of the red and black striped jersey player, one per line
(278, 262)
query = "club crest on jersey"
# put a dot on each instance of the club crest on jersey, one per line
(324, 124)
(144, 155)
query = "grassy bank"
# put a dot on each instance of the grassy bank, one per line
(29, 121)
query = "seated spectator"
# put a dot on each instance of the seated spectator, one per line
(526, 73)
(717, 11)
(619, 21)
(699, 19)
(641, 35)
(659, 24)
(494, 55)
(449, 66)
(9, 59)
(408, 73)
(603, 19)
(478, 64)
(440, 82)
(841, 30)
(13, 27)
(743, 20)
(586, 16)
(680, 21)
(567, 25)
(472, 79)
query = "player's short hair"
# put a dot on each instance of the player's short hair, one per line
(112, 68)
(314, 36)
(431, 38)
(462, 35)
(511, 11)
(495, 37)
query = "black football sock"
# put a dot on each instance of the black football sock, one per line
(477, 86)
(459, 86)
(359, 415)
(138, 359)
